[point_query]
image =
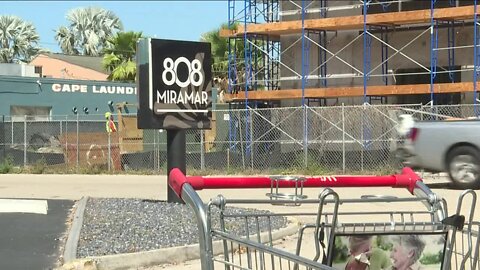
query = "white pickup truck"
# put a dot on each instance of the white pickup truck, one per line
(446, 146)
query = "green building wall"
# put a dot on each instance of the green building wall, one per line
(63, 95)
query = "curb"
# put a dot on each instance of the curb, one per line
(70, 252)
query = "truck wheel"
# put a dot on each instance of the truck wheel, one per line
(463, 164)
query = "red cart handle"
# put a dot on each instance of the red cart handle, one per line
(407, 179)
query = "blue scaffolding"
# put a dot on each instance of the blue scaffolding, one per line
(252, 65)
(260, 67)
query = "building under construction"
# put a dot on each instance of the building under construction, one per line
(326, 52)
(315, 54)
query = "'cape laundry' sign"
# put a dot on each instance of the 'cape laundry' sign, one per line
(95, 89)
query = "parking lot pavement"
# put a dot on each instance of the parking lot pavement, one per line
(76, 186)
(32, 240)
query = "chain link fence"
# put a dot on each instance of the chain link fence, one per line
(340, 139)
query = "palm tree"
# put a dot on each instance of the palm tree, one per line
(119, 58)
(18, 40)
(220, 50)
(88, 31)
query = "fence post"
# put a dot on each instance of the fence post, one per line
(363, 139)
(25, 141)
(242, 148)
(11, 122)
(251, 137)
(66, 142)
(343, 138)
(202, 149)
(305, 137)
(109, 150)
(228, 159)
(5, 141)
(77, 142)
(154, 151)
(158, 149)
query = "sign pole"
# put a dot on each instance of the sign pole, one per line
(174, 82)
(176, 157)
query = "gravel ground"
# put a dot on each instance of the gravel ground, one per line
(114, 226)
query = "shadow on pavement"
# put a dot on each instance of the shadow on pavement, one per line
(443, 186)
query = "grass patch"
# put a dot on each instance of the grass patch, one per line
(312, 169)
(39, 167)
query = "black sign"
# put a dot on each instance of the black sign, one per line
(174, 82)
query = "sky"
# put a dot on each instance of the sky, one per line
(180, 20)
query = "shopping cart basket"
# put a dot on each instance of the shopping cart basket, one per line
(327, 229)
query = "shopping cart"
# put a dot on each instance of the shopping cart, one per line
(324, 225)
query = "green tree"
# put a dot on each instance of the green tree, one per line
(119, 57)
(220, 49)
(18, 40)
(88, 31)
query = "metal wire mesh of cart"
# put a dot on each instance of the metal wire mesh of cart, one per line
(329, 231)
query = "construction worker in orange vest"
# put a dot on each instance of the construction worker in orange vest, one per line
(110, 125)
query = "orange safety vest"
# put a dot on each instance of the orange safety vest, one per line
(110, 126)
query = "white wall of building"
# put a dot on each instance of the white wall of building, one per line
(24, 70)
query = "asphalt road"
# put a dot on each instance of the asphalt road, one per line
(33, 241)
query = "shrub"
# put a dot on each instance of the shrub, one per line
(39, 166)
(429, 258)
(6, 166)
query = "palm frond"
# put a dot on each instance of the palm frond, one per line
(119, 56)
(66, 40)
(18, 39)
(90, 28)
